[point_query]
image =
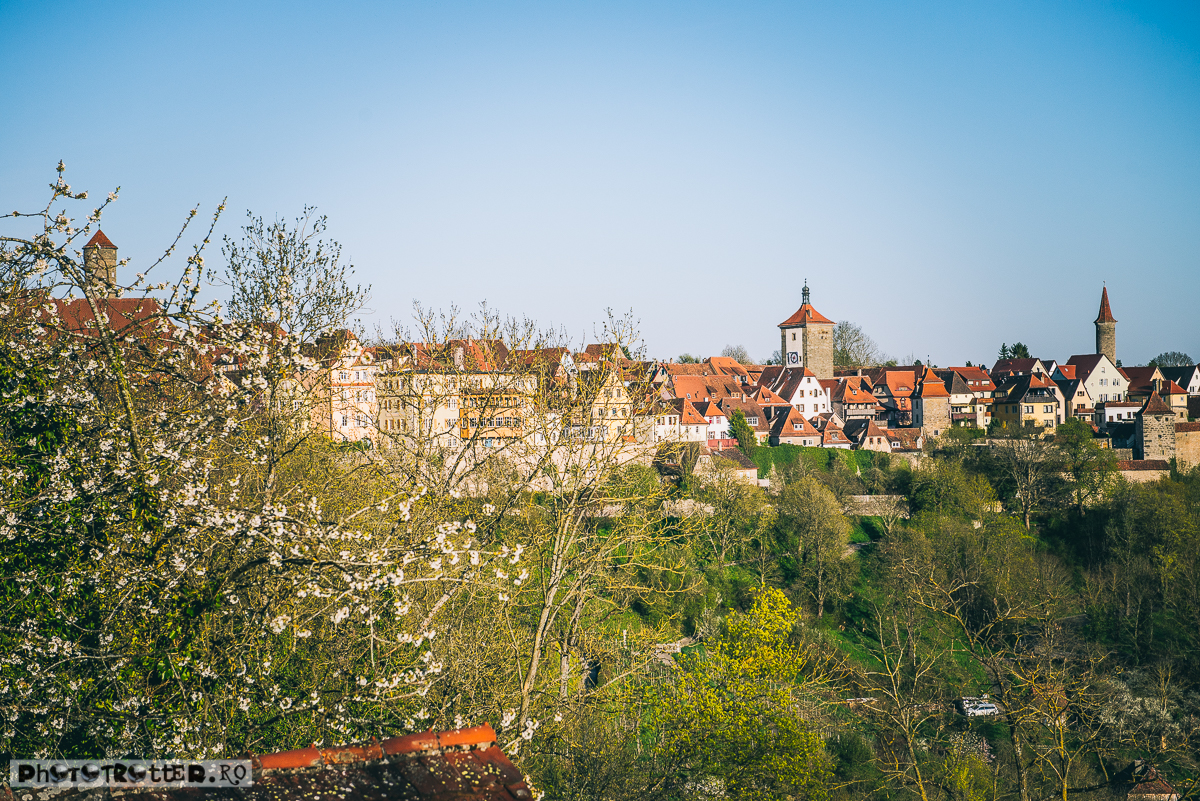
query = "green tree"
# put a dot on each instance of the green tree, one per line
(732, 722)
(687, 358)
(1172, 358)
(1031, 463)
(742, 431)
(737, 509)
(813, 517)
(1090, 467)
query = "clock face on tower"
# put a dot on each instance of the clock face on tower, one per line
(793, 358)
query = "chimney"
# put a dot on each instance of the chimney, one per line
(100, 260)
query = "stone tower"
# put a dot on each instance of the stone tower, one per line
(1154, 430)
(806, 339)
(1106, 329)
(100, 260)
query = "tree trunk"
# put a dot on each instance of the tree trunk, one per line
(1019, 760)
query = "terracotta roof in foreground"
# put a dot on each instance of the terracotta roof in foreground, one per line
(460, 765)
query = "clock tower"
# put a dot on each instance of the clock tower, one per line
(806, 339)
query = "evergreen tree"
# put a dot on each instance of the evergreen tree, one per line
(742, 431)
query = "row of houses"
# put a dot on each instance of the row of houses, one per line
(486, 393)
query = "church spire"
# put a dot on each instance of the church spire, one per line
(804, 295)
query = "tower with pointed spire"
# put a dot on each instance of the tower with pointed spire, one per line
(100, 260)
(806, 339)
(1106, 329)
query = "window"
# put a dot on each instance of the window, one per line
(1028, 410)
(793, 336)
(1047, 409)
(342, 375)
(345, 421)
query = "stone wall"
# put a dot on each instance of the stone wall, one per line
(935, 416)
(1154, 437)
(818, 349)
(1187, 445)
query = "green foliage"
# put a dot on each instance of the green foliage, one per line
(687, 358)
(731, 718)
(1018, 350)
(1172, 358)
(742, 432)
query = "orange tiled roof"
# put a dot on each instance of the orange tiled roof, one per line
(767, 397)
(806, 315)
(795, 425)
(726, 365)
(688, 416)
(460, 765)
(853, 389)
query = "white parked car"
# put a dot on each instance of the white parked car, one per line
(977, 707)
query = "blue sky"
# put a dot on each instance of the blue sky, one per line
(948, 175)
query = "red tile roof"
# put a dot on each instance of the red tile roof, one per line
(1106, 315)
(1183, 428)
(726, 365)
(906, 439)
(461, 765)
(1020, 366)
(806, 315)
(99, 240)
(688, 416)
(853, 389)
(1155, 405)
(900, 383)
(832, 435)
(767, 397)
(1143, 464)
(137, 317)
(795, 425)
(931, 385)
(709, 409)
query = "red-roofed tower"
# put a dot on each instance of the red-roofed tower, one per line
(100, 260)
(806, 339)
(1106, 329)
